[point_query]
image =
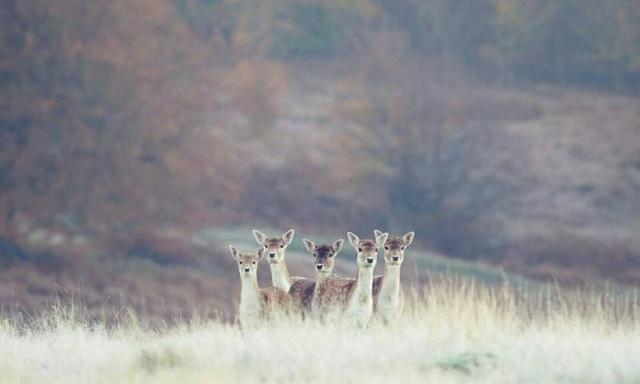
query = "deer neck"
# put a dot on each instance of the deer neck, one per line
(250, 292)
(391, 281)
(320, 280)
(280, 275)
(364, 283)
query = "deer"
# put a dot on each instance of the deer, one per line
(387, 293)
(360, 306)
(256, 304)
(324, 256)
(275, 249)
(352, 296)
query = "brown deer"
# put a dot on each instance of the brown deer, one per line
(324, 256)
(351, 296)
(275, 248)
(256, 304)
(387, 292)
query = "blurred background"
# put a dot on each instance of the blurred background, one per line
(137, 139)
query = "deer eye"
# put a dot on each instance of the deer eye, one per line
(331, 255)
(266, 246)
(359, 249)
(254, 262)
(376, 249)
(281, 245)
(387, 248)
(402, 248)
(240, 262)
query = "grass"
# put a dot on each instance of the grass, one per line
(454, 332)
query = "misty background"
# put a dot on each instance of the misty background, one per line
(138, 138)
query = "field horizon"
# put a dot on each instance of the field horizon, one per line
(208, 284)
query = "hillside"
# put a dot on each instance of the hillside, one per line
(504, 133)
(550, 186)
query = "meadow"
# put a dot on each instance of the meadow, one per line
(453, 331)
(138, 140)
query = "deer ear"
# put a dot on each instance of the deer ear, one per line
(260, 253)
(380, 239)
(309, 245)
(287, 237)
(407, 238)
(260, 237)
(234, 252)
(377, 233)
(337, 246)
(353, 239)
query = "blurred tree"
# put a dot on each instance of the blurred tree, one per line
(456, 30)
(261, 29)
(256, 88)
(102, 119)
(119, 117)
(429, 159)
(568, 41)
(575, 41)
(211, 20)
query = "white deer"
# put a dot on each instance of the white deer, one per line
(360, 306)
(387, 291)
(256, 304)
(275, 249)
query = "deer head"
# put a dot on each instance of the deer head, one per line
(395, 246)
(324, 255)
(276, 246)
(367, 250)
(247, 262)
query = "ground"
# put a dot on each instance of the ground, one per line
(455, 332)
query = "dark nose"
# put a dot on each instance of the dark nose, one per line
(319, 266)
(246, 269)
(369, 260)
(395, 258)
(272, 254)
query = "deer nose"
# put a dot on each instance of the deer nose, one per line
(395, 258)
(319, 266)
(272, 254)
(369, 260)
(246, 269)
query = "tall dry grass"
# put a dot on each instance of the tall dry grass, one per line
(453, 331)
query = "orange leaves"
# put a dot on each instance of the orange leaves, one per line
(112, 102)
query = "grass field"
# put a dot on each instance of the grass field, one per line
(454, 332)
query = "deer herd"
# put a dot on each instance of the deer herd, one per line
(356, 300)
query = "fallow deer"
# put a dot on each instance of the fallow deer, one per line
(256, 304)
(360, 305)
(275, 249)
(352, 296)
(387, 292)
(324, 256)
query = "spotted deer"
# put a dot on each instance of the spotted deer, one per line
(351, 296)
(360, 305)
(256, 304)
(275, 249)
(387, 292)
(324, 257)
